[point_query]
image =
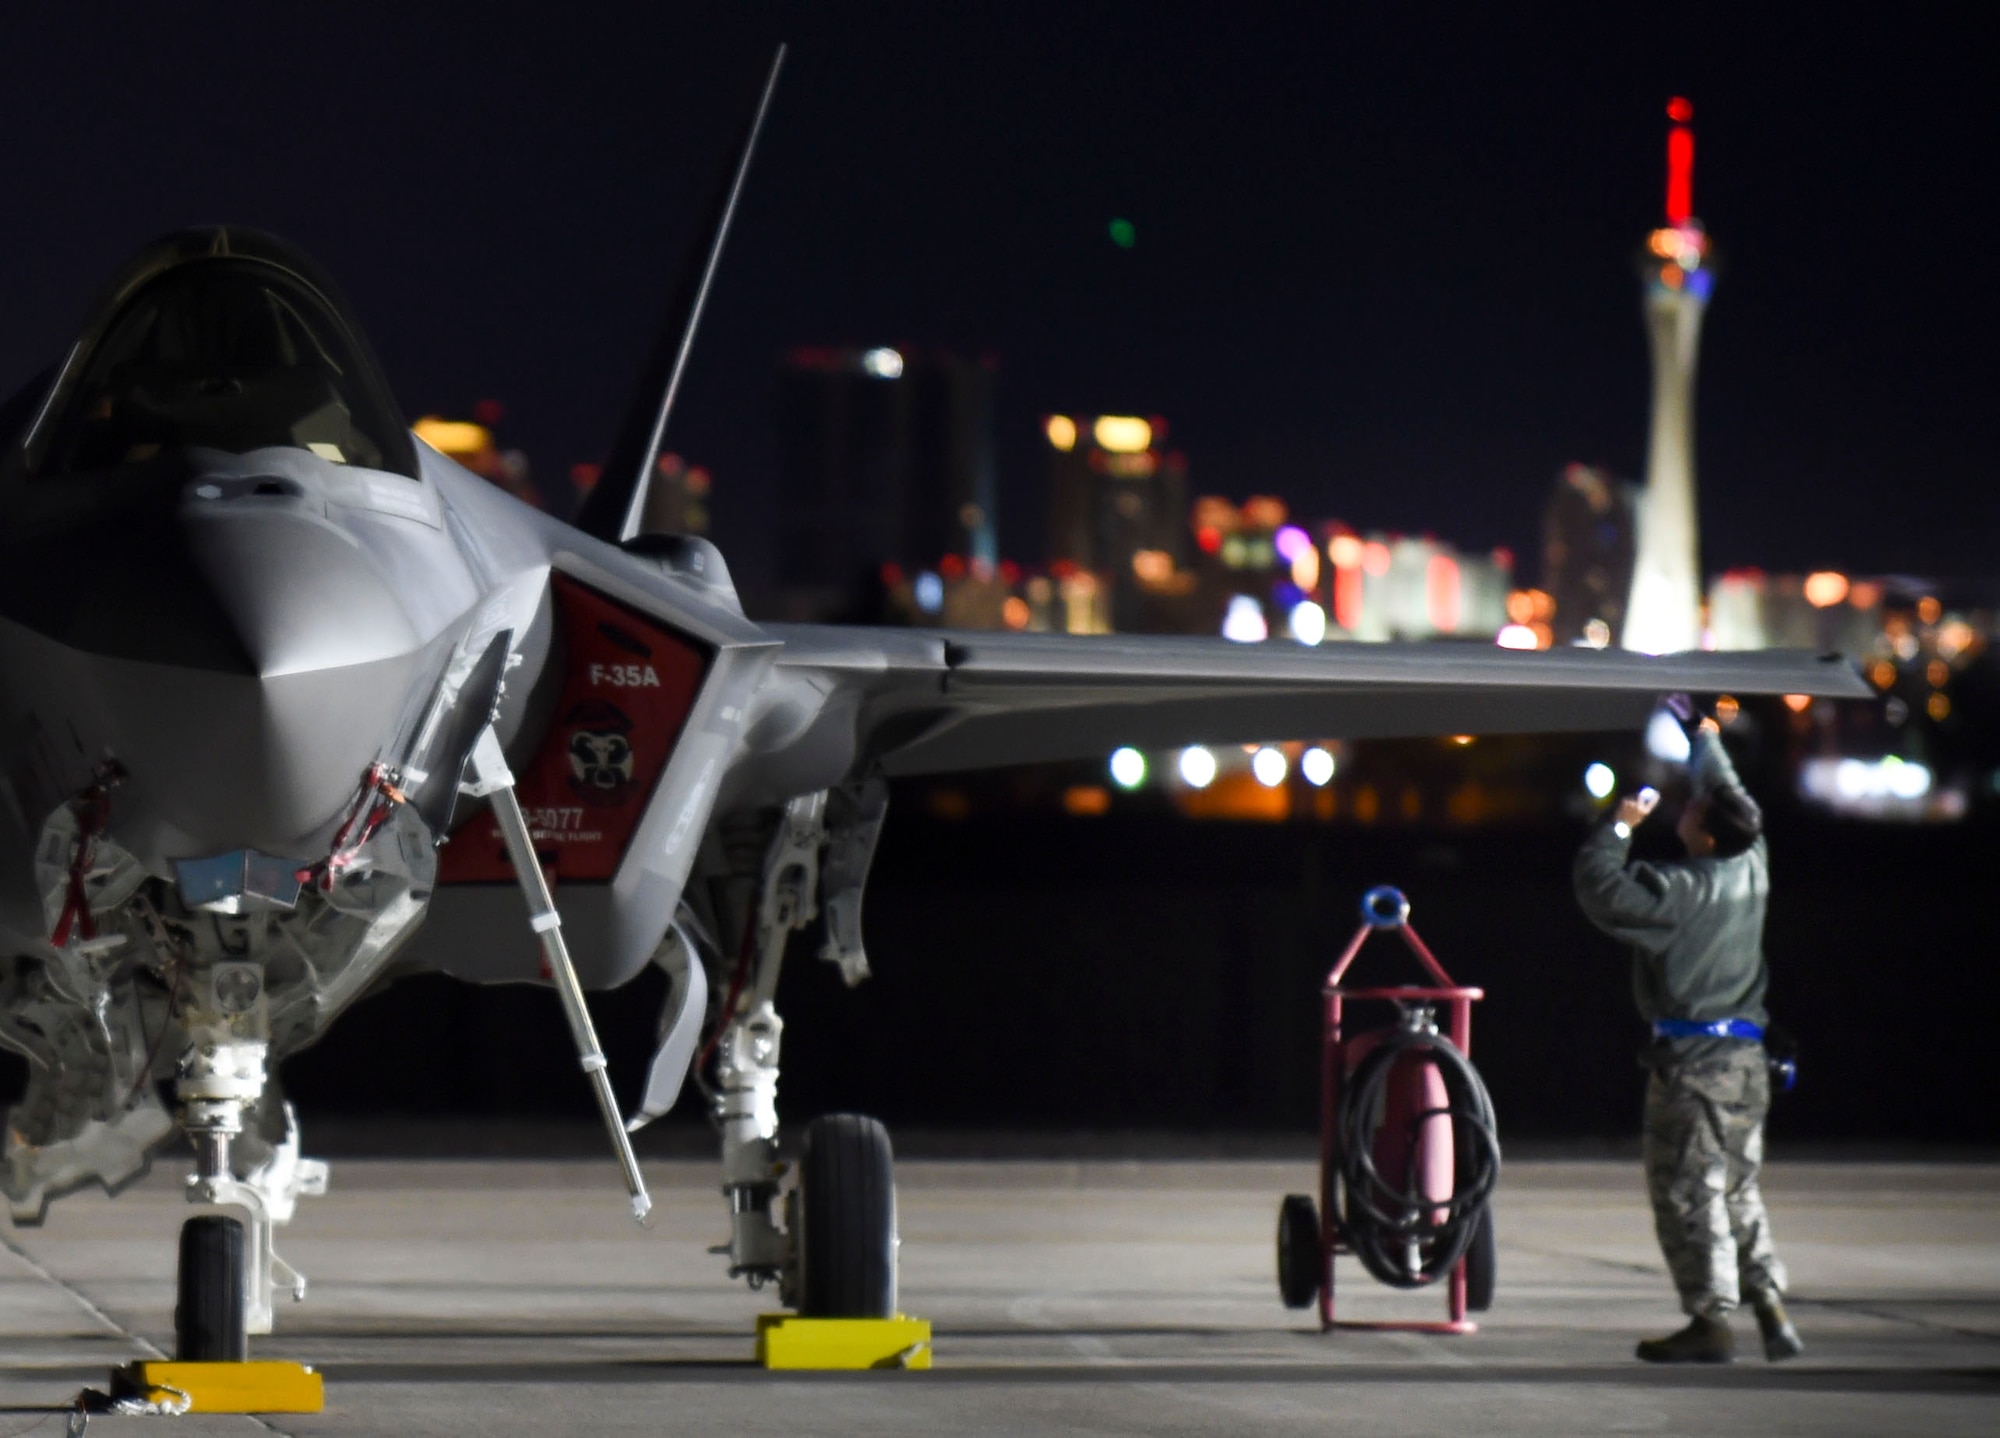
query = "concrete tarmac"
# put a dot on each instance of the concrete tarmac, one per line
(476, 1297)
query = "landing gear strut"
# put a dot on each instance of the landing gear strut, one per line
(831, 1244)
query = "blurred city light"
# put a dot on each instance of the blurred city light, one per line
(1305, 568)
(1316, 764)
(928, 590)
(1152, 566)
(883, 363)
(1825, 589)
(1122, 433)
(1128, 768)
(1124, 233)
(1269, 765)
(1600, 781)
(1441, 581)
(1887, 777)
(1665, 739)
(1197, 767)
(1244, 621)
(1308, 622)
(1061, 430)
(452, 436)
(1291, 542)
(1087, 799)
(1517, 636)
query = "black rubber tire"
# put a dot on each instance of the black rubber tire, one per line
(1298, 1251)
(847, 1219)
(1482, 1263)
(208, 1311)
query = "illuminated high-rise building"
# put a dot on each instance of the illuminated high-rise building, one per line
(1587, 551)
(1117, 504)
(1664, 613)
(886, 457)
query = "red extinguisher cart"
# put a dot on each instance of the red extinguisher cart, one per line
(1408, 1149)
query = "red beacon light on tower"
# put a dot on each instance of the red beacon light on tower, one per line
(1681, 242)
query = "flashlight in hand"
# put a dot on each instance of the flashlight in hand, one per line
(1632, 811)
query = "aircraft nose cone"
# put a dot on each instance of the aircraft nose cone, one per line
(299, 592)
(257, 660)
(270, 757)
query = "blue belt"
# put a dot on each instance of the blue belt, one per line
(1713, 1029)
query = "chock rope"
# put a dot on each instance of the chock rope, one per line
(1402, 1236)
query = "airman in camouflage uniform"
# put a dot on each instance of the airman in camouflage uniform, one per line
(1696, 930)
(1704, 1142)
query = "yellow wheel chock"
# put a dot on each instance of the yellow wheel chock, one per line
(784, 1340)
(258, 1386)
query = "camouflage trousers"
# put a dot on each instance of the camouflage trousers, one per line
(1704, 1144)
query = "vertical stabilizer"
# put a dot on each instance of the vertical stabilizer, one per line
(611, 511)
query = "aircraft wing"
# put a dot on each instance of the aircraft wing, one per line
(930, 701)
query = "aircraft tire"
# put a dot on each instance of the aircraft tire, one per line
(1298, 1251)
(1482, 1263)
(208, 1311)
(847, 1221)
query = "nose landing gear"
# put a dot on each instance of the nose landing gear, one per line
(208, 1307)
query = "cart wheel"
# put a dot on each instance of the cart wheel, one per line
(208, 1312)
(1298, 1251)
(1482, 1260)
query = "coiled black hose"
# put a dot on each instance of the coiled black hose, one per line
(1403, 1237)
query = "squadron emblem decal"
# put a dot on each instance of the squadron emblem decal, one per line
(600, 753)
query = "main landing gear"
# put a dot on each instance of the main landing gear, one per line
(829, 1244)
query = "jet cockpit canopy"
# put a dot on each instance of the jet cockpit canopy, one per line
(227, 339)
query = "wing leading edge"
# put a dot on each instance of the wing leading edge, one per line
(938, 701)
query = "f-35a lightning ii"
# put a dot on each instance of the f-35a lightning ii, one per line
(262, 653)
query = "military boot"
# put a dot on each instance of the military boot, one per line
(1704, 1340)
(1781, 1340)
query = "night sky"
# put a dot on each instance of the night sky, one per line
(1384, 262)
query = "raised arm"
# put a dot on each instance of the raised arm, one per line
(1641, 904)
(1710, 768)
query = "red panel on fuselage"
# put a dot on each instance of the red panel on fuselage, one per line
(627, 687)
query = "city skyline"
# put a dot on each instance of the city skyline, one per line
(1379, 266)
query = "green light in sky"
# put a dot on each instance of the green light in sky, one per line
(1123, 234)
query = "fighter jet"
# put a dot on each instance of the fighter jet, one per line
(292, 705)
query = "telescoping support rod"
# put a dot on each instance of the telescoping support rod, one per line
(493, 780)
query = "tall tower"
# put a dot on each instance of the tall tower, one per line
(1677, 271)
